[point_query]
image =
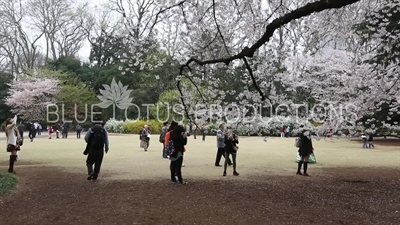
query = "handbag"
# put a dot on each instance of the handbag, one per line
(236, 148)
(19, 141)
(297, 143)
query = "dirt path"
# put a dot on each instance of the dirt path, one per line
(51, 196)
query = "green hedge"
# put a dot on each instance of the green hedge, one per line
(134, 127)
(8, 182)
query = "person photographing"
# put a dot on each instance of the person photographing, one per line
(179, 140)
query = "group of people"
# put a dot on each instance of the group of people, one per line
(32, 128)
(285, 131)
(63, 128)
(174, 140)
(227, 143)
(368, 141)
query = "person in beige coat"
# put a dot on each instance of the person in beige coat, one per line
(13, 141)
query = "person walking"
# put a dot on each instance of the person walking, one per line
(288, 131)
(194, 129)
(164, 131)
(204, 131)
(364, 139)
(50, 130)
(179, 140)
(97, 143)
(145, 137)
(371, 141)
(36, 124)
(65, 129)
(231, 148)
(13, 142)
(32, 131)
(21, 129)
(305, 150)
(79, 129)
(39, 129)
(221, 146)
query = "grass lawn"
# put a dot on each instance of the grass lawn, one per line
(348, 185)
(7, 183)
(126, 160)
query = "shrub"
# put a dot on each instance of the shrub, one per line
(115, 126)
(394, 130)
(134, 127)
(7, 183)
(261, 126)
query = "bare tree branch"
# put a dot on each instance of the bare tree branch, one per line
(218, 28)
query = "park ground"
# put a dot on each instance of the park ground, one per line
(348, 185)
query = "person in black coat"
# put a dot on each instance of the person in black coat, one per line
(371, 141)
(96, 144)
(21, 129)
(32, 131)
(179, 138)
(231, 142)
(305, 150)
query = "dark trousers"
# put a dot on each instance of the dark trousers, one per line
(32, 134)
(78, 134)
(38, 131)
(64, 134)
(96, 158)
(21, 133)
(194, 133)
(220, 153)
(204, 136)
(164, 153)
(229, 162)
(176, 169)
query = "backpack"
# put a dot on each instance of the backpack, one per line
(170, 148)
(79, 128)
(162, 135)
(97, 138)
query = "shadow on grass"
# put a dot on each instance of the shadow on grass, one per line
(8, 182)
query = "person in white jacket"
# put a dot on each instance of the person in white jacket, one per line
(13, 141)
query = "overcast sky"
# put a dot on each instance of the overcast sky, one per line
(85, 51)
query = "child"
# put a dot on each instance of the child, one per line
(364, 138)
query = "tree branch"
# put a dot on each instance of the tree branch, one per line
(274, 25)
(218, 28)
(301, 12)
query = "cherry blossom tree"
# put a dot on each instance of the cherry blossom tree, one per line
(380, 32)
(28, 97)
(262, 60)
(282, 53)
